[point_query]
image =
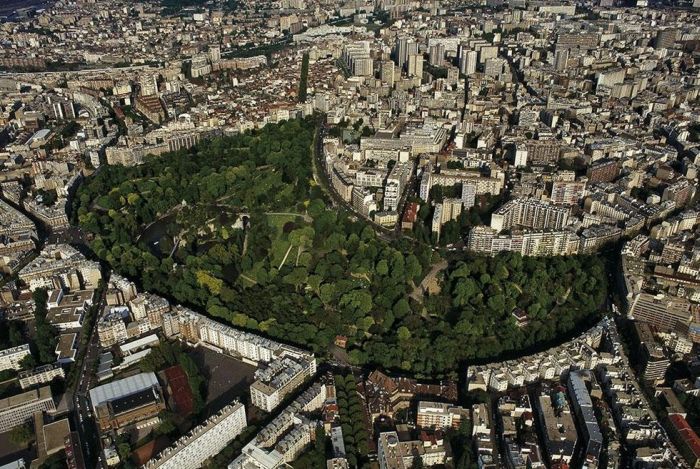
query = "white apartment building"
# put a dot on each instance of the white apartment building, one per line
(270, 449)
(529, 213)
(439, 415)
(204, 441)
(111, 330)
(40, 375)
(18, 409)
(356, 57)
(11, 358)
(277, 380)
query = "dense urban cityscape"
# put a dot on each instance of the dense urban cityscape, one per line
(347, 234)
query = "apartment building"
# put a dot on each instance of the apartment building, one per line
(286, 436)
(667, 313)
(393, 453)
(529, 213)
(20, 408)
(111, 328)
(585, 415)
(342, 183)
(560, 435)
(654, 360)
(395, 185)
(40, 375)
(440, 415)
(567, 192)
(448, 210)
(277, 380)
(151, 107)
(63, 264)
(486, 240)
(204, 441)
(542, 152)
(356, 57)
(11, 358)
(483, 435)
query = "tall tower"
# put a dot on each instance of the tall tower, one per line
(467, 61)
(401, 52)
(437, 55)
(415, 65)
(561, 57)
(387, 72)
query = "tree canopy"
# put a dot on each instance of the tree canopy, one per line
(237, 227)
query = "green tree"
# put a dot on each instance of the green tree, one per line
(22, 434)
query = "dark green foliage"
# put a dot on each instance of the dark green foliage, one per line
(692, 407)
(47, 197)
(11, 334)
(175, 6)
(352, 420)
(315, 457)
(436, 72)
(62, 137)
(338, 276)
(21, 434)
(172, 353)
(55, 461)
(304, 80)
(462, 446)
(46, 334)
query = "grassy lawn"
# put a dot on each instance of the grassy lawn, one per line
(279, 245)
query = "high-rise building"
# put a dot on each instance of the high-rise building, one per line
(468, 195)
(653, 361)
(494, 66)
(529, 213)
(214, 53)
(395, 184)
(356, 57)
(437, 55)
(520, 155)
(204, 441)
(64, 109)
(665, 38)
(487, 52)
(149, 84)
(415, 65)
(387, 72)
(561, 57)
(577, 40)
(467, 62)
(401, 51)
(568, 192)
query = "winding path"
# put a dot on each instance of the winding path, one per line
(417, 293)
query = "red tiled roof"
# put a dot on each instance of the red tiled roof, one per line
(410, 214)
(689, 437)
